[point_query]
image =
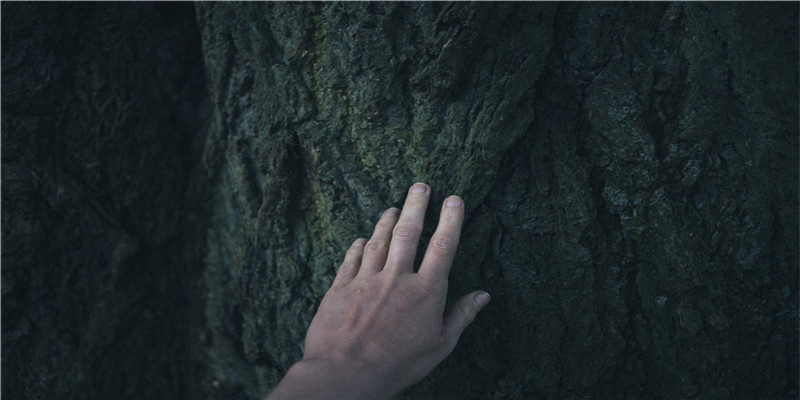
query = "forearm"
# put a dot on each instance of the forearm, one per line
(323, 379)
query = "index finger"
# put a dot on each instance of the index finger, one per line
(444, 242)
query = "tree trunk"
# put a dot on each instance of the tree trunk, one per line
(630, 172)
(100, 108)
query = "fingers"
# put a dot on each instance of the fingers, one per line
(444, 242)
(406, 233)
(377, 248)
(462, 312)
(352, 260)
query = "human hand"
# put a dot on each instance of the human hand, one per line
(381, 326)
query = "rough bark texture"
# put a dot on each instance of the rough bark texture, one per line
(630, 173)
(100, 107)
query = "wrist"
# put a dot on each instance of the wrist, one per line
(321, 378)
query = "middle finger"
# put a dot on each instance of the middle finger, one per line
(405, 237)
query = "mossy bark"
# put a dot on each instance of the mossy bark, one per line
(630, 173)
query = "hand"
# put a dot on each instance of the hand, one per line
(381, 326)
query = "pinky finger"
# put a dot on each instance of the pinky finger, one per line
(352, 262)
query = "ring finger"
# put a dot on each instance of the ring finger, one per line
(377, 247)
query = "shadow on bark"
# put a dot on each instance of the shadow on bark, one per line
(179, 186)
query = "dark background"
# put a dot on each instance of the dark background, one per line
(180, 181)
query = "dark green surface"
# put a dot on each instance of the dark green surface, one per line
(180, 184)
(100, 110)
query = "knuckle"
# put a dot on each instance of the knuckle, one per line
(468, 311)
(375, 245)
(443, 245)
(406, 232)
(356, 246)
(386, 222)
(351, 253)
(345, 267)
(391, 213)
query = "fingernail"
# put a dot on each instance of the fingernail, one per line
(419, 188)
(453, 201)
(482, 299)
(360, 242)
(392, 212)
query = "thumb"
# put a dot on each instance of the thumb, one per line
(461, 313)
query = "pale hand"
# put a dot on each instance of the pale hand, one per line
(381, 326)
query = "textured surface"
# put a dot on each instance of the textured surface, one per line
(99, 112)
(630, 172)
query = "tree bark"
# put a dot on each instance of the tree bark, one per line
(101, 104)
(629, 169)
(180, 185)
